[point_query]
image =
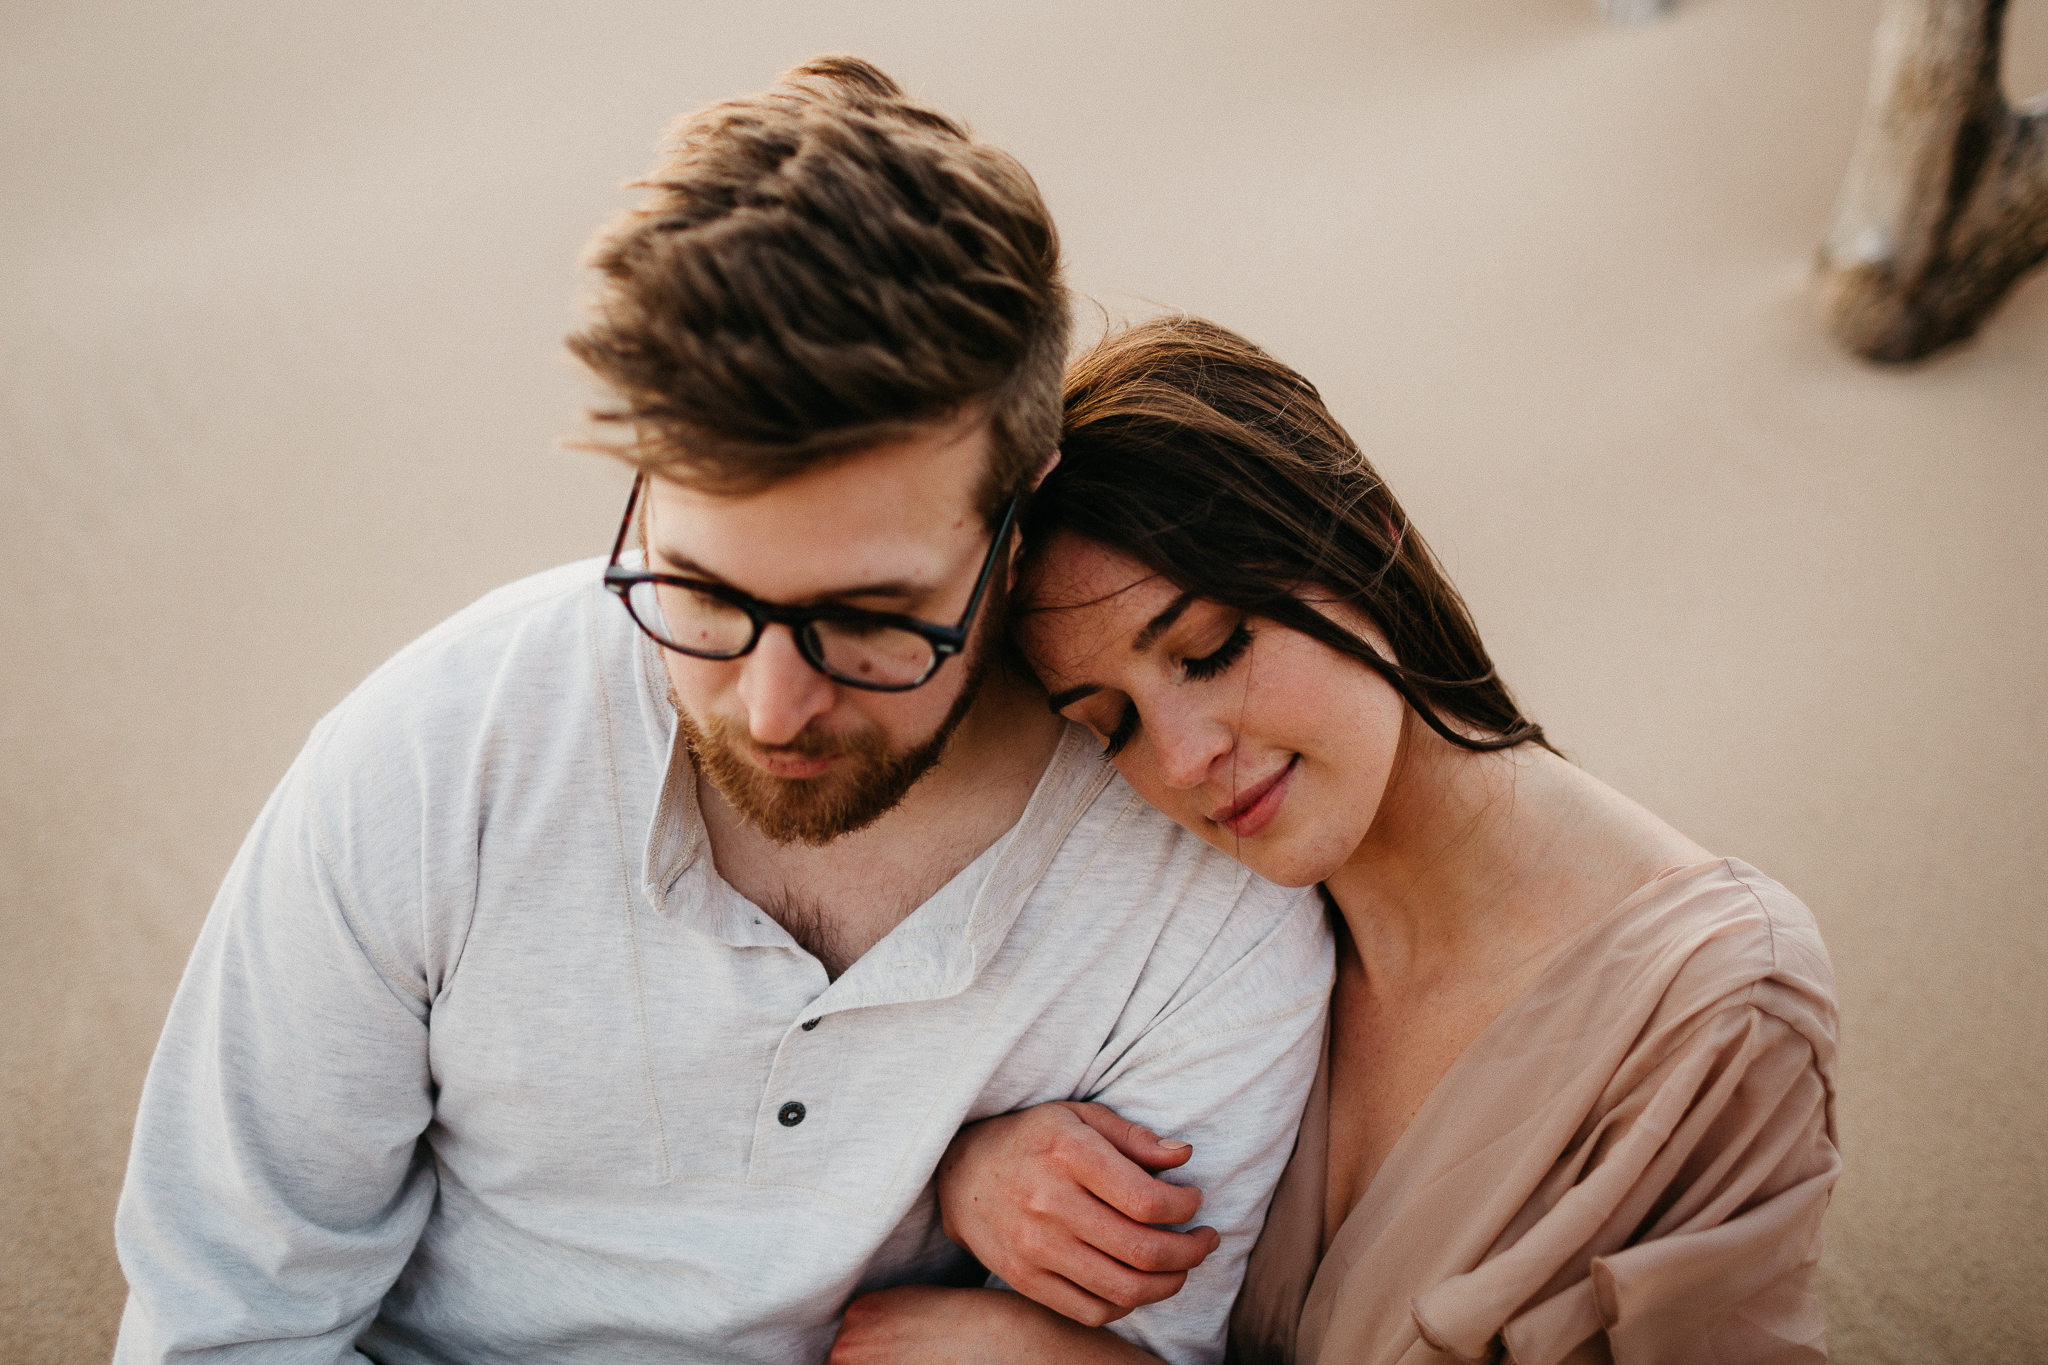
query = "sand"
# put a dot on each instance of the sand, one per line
(281, 289)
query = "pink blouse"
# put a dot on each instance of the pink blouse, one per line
(1629, 1164)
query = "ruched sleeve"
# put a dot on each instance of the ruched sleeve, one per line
(1689, 1233)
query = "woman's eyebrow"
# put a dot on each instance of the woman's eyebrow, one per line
(1159, 624)
(1140, 642)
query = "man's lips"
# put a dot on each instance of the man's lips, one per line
(786, 764)
(1256, 806)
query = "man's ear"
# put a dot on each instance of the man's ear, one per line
(1017, 545)
(1051, 463)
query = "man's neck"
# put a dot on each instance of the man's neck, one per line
(840, 899)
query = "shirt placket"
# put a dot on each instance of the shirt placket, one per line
(800, 1105)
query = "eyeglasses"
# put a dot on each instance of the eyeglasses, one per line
(878, 651)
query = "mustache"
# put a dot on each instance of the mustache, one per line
(807, 743)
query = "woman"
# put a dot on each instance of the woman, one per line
(1577, 1101)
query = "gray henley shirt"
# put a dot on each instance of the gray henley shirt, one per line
(479, 1060)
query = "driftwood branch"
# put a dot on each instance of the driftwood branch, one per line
(1946, 201)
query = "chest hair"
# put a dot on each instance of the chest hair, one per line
(816, 932)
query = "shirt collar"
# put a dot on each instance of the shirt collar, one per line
(932, 954)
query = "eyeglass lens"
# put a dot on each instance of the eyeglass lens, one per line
(698, 623)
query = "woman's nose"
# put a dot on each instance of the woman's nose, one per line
(1189, 748)
(780, 690)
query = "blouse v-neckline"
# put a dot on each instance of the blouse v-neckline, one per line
(1351, 1227)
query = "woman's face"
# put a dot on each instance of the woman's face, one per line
(1268, 744)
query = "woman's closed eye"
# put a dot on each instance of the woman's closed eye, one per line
(1126, 728)
(1226, 654)
(1210, 665)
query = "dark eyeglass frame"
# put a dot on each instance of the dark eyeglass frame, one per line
(946, 641)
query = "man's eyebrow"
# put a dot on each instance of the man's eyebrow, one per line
(1158, 625)
(895, 587)
(686, 566)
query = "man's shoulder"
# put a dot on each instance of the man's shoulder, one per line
(534, 630)
(1210, 916)
(528, 664)
(1222, 953)
(1142, 847)
(546, 609)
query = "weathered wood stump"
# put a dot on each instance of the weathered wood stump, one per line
(1946, 201)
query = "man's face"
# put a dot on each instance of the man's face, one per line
(892, 528)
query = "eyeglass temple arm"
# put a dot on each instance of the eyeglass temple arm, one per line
(988, 570)
(626, 522)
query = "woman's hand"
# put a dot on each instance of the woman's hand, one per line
(918, 1324)
(1056, 1200)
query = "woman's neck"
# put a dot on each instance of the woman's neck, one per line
(1483, 861)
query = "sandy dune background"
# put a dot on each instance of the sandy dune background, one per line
(281, 288)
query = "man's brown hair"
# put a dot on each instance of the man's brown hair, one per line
(818, 267)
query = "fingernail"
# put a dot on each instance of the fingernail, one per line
(1171, 1144)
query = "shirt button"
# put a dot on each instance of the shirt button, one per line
(810, 1024)
(791, 1114)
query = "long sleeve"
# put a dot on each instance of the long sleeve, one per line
(1228, 1069)
(277, 1182)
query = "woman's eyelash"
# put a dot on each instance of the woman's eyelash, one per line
(1126, 726)
(1209, 665)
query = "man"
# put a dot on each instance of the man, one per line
(604, 985)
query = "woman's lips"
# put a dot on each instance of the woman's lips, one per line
(1255, 809)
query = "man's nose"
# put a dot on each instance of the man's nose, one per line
(1189, 748)
(782, 693)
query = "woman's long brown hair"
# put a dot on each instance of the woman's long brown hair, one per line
(1195, 453)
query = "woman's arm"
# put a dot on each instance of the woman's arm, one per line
(1056, 1200)
(926, 1325)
